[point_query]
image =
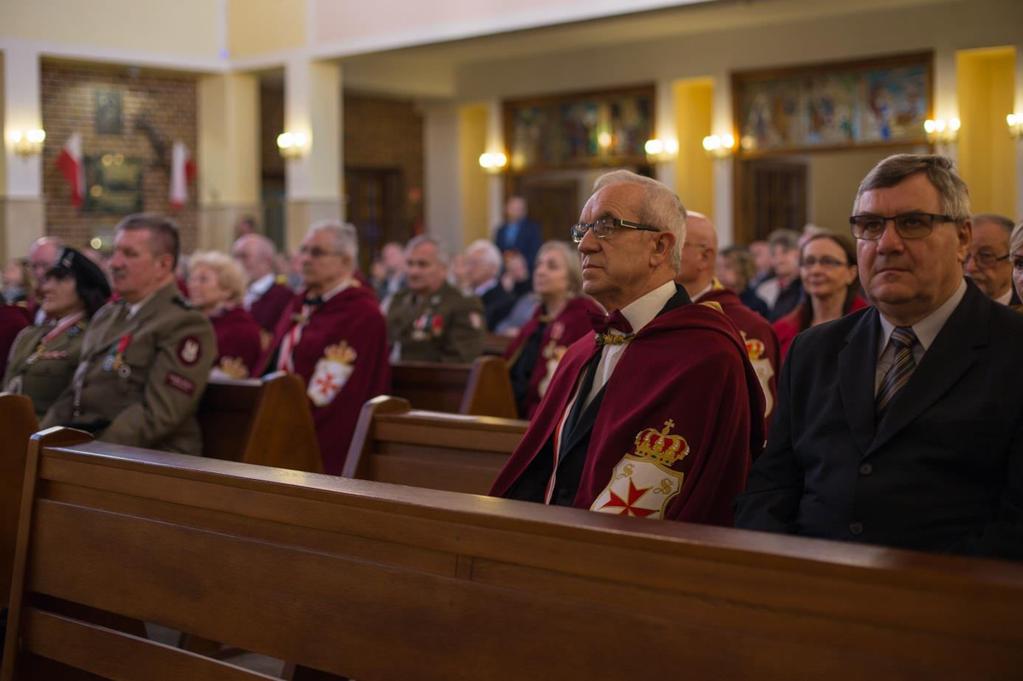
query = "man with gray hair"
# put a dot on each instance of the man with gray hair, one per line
(987, 262)
(430, 320)
(658, 414)
(482, 267)
(268, 293)
(893, 425)
(334, 337)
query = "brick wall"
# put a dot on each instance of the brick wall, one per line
(69, 102)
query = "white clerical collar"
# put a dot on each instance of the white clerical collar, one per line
(926, 329)
(1006, 297)
(642, 311)
(484, 287)
(262, 285)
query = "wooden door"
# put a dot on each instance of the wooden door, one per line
(374, 205)
(769, 195)
(554, 203)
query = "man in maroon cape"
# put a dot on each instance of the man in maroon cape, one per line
(699, 260)
(657, 414)
(334, 337)
(268, 294)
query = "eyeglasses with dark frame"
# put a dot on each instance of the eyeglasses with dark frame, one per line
(985, 259)
(915, 225)
(602, 228)
(316, 251)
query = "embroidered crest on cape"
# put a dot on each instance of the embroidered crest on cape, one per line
(331, 374)
(643, 482)
(552, 355)
(762, 366)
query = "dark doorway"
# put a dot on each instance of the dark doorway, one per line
(769, 194)
(375, 200)
(552, 203)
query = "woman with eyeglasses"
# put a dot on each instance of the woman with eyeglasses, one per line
(561, 318)
(827, 266)
(1016, 258)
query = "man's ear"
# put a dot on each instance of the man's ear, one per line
(964, 233)
(664, 242)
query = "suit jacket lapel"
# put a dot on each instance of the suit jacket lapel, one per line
(857, 362)
(948, 358)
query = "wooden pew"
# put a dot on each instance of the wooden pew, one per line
(393, 443)
(496, 344)
(260, 421)
(482, 388)
(17, 423)
(381, 582)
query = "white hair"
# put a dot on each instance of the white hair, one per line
(661, 207)
(417, 241)
(487, 249)
(344, 235)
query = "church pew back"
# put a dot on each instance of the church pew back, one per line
(260, 421)
(17, 423)
(382, 582)
(396, 444)
(482, 388)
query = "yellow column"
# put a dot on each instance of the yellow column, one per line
(473, 122)
(228, 156)
(312, 107)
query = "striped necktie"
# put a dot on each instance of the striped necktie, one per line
(903, 339)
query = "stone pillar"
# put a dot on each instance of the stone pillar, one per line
(724, 180)
(22, 205)
(312, 106)
(1018, 110)
(495, 186)
(946, 105)
(228, 156)
(441, 186)
(664, 106)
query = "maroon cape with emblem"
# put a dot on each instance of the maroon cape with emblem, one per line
(685, 373)
(761, 343)
(352, 316)
(268, 309)
(238, 337)
(571, 324)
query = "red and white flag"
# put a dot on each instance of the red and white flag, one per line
(182, 172)
(70, 163)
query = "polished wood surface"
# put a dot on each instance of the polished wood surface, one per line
(17, 423)
(265, 421)
(396, 444)
(380, 582)
(482, 388)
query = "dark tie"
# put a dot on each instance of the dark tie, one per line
(313, 301)
(903, 339)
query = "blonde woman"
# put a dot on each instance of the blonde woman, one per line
(216, 286)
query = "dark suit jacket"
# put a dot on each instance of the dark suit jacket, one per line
(527, 241)
(497, 303)
(943, 471)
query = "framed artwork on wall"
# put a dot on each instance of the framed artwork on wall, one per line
(113, 184)
(108, 112)
(876, 102)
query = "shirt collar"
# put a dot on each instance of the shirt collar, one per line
(1005, 298)
(642, 311)
(485, 286)
(710, 287)
(133, 308)
(262, 285)
(927, 329)
(337, 289)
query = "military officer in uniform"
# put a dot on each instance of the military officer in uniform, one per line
(146, 358)
(44, 358)
(430, 320)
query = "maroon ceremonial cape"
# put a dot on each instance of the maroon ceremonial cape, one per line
(238, 337)
(353, 317)
(571, 324)
(13, 318)
(761, 343)
(675, 433)
(268, 309)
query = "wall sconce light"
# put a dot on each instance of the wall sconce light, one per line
(493, 161)
(292, 144)
(27, 142)
(719, 146)
(1015, 123)
(940, 131)
(659, 151)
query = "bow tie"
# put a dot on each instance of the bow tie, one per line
(602, 323)
(313, 301)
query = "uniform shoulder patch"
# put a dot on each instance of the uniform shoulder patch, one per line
(189, 350)
(180, 383)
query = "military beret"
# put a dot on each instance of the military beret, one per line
(88, 276)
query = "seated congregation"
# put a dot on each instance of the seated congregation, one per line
(642, 376)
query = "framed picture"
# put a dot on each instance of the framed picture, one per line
(113, 184)
(579, 130)
(834, 106)
(108, 113)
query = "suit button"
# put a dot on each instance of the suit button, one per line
(866, 469)
(856, 529)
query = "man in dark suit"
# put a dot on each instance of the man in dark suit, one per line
(988, 262)
(519, 233)
(482, 267)
(893, 425)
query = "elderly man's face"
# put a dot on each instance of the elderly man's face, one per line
(423, 269)
(41, 257)
(323, 266)
(909, 278)
(617, 270)
(478, 270)
(987, 265)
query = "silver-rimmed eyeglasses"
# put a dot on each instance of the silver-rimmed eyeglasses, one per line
(602, 228)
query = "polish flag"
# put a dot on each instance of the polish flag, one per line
(182, 172)
(70, 163)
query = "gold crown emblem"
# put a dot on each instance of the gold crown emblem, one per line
(755, 348)
(662, 446)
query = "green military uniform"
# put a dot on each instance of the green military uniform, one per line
(42, 361)
(445, 326)
(141, 375)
